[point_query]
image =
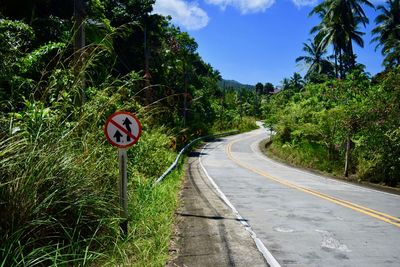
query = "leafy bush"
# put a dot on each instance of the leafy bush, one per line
(317, 123)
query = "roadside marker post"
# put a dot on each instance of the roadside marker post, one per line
(123, 130)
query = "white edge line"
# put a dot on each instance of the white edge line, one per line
(260, 245)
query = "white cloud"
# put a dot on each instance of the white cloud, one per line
(245, 6)
(188, 15)
(300, 3)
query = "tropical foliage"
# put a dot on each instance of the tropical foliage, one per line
(339, 27)
(347, 126)
(388, 32)
(58, 84)
(60, 80)
(318, 65)
(313, 126)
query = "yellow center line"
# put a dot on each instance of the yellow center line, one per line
(365, 210)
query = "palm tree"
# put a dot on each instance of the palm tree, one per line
(296, 82)
(285, 83)
(340, 20)
(339, 26)
(387, 32)
(315, 59)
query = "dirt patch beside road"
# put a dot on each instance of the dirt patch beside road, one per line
(207, 232)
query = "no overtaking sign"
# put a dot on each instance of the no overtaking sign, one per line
(122, 129)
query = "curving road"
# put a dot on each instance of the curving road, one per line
(304, 219)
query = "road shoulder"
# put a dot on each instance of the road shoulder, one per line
(207, 232)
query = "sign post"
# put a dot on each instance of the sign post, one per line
(123, 188)
(122, 130)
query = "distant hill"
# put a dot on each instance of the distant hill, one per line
(232, 84)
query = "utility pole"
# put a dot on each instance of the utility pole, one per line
(79, 44)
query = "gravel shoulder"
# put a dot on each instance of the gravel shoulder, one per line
(207, 232)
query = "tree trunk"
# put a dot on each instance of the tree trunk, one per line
(351, 55)
(336, 64)
(341, 64)
(79, 44)
(33, 15)
(347, 156)
(147, 76)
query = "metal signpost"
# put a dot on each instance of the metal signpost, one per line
(122, 130)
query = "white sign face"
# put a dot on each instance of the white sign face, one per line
(122, 129)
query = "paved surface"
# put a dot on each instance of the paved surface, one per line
(208, 232)
(303, 219)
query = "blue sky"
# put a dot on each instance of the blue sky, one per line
(256, 40)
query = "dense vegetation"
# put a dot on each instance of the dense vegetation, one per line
(59, 80)
(339, 119)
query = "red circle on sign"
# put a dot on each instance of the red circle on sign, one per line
(124, 135)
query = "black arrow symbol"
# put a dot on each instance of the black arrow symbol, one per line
(118, 136)
(127, 124)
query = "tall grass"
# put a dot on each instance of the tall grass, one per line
(308, 155)
(59, 187)
(243, 124)
(57, 200)
(150, 222)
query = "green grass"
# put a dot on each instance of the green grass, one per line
(59, 191)
(307, 155)
(244, 124)
(59, 201)
(151, 220)
(59, 205)
(247, 124)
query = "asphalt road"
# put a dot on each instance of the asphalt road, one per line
(304, 219)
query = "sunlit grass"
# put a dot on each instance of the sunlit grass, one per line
(307, 155)
(151, 218)
(59, 191)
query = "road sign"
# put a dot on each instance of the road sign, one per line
(122, 129)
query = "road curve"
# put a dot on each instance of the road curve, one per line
(304, 219)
